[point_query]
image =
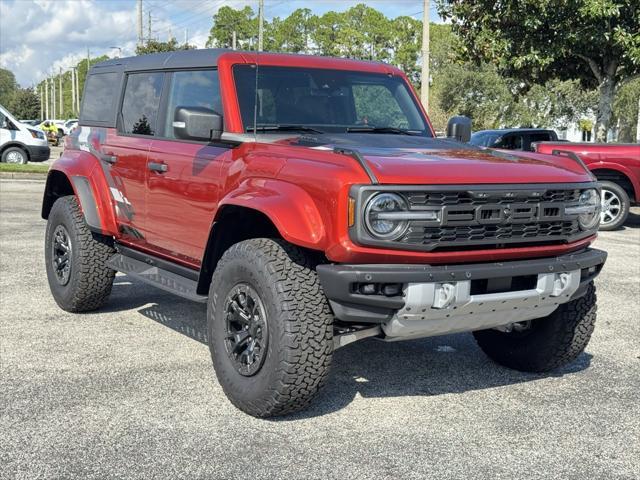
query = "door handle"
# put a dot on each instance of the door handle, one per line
(158, 167)
(109, 158)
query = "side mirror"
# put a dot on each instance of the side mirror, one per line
(459, 128)
(197, 123)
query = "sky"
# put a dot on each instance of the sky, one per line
(40, 37)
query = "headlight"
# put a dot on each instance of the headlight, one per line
(383, 216)
(588, 209)
(36, 134)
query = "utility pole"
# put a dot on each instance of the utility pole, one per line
(53, 98)
(140, 23)
(424, 84)
(234, 40)
(41, 101)
(60, 88)
(77, 90)
(186, 37)
(46, 98)
(149, 27)
(73, 91)
(260, 23)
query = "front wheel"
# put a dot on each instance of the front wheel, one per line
(15, 155)
(547, 343)
(614, 206)
(269, 326)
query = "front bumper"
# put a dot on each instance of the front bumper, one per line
(436, 300)
(38, 153)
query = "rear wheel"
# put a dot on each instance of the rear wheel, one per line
(547, 343)
(15, 155)
(76, 259)
(269, 327)
(614, 206)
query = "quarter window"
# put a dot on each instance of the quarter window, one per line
(97, 105)
(141, 102)
(192, 88)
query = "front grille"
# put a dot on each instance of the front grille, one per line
(482, 216)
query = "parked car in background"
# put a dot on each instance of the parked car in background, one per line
(20, 143)
(617, 168)
(69, 125)
(33, 123)
(512, 138)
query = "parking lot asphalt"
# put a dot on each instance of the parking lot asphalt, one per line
(129, 391)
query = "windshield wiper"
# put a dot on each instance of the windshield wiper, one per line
(283, 128)
(367, 129)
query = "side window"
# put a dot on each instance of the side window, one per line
(141, 103)
(192, 88)
(511, 142)
(98, 100)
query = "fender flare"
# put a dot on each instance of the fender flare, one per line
(289, 207)
(618, 168)
(85, 175)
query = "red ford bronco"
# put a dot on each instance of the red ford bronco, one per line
(616, 166)
(307, 202)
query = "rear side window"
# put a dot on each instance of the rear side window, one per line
(540, 137)
(141, 103)
(192, 88)
(99, 95)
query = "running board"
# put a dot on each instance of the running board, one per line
(156, 276)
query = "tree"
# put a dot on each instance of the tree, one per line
(155, 46)
(25, 104)
(8, 86)
(479, 93)
(625, 111)
(595, 41)
(291, 34)
(228, 20)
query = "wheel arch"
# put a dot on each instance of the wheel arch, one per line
(262, 208)
(233, 224)
(15, 143)
(79, 174)
(621, 176)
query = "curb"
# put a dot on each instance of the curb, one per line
(23, 176)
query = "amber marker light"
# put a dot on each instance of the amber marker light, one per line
(352, 212)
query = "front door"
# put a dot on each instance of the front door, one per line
(183, 181)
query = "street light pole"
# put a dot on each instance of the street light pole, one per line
(424, 83)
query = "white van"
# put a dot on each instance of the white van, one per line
(20, 143)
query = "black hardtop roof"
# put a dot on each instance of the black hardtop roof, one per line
(511, 130)
(155, 61)
(206, 57)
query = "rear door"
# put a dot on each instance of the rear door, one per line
(128, 149)
(183, 182)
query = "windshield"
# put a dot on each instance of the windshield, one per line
(326, 100)
(484, 139)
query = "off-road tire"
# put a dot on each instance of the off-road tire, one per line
(24, 155)
(624, 206)
(90, 279)
(550, 343)
(299, 321)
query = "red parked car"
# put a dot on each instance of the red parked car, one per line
(307, 201)
(617, 168)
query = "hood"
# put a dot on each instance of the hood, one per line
(403, 159)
